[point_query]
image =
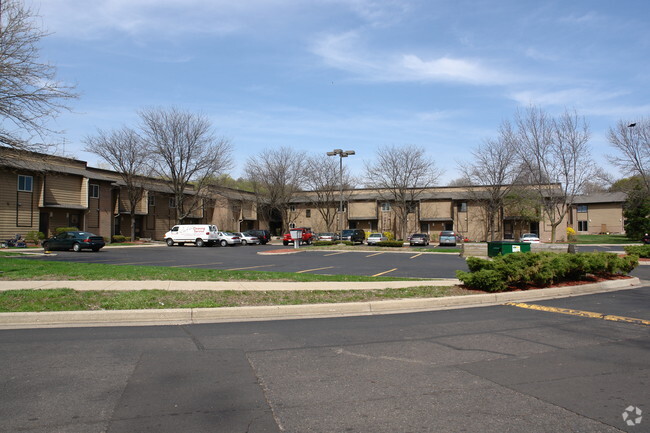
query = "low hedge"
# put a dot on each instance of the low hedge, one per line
(328, 243)
(519, 270)
(390, 244)
(119, 239)
(638, 250)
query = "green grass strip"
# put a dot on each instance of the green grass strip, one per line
(71, 300)
(31, 269)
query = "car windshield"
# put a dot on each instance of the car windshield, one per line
(418, 235)
(447, 233)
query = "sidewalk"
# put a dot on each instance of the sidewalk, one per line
(277, 312)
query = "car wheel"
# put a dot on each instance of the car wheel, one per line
(199, 242)
(170, 242)
(285, 243)
(243, 242)
(46, 246)
(76, 247)
(223, 243)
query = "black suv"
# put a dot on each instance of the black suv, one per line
(263, 235)
(353, 235)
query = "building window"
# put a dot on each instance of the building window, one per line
(172, 202)
(152, 200)
(93, 191)
(462, 206)
(308, 213)
(583, 226)
(292, 225)
(582, 208)
(25, 183)
(292, 208)
(411, 207)
(385, 206)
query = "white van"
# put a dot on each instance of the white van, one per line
(200, 234)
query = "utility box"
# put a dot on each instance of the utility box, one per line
(497, 248)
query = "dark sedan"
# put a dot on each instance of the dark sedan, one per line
(75, 241)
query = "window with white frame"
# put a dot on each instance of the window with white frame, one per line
(582, 208)
(462, 206)
(292, 225)
(151, 200)
(292, 208)
(385, 206)
(308, 213)
(172, 202)
(583, 226)
(25, 183)
(93, 190)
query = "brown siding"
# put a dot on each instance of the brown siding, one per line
(15, 218)
(64, 190)
(362, 209)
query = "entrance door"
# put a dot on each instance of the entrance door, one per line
(44, 223)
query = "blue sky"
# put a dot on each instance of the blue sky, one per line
(315, 75)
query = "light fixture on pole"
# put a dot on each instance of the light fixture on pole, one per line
(342, 154)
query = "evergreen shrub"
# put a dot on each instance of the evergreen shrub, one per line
(519, 270)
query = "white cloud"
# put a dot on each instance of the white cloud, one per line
(348, 52)
(583, 98)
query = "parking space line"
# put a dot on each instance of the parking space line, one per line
(376, 254)
(333, 254)
(249, 267)
(385, 272)
(580, 313)
(144, 263)
(316, 269)
(197, 264)
(417, 255)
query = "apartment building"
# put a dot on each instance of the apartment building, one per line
(42, 192)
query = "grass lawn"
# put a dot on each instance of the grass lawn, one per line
(605, 239)
(28, 269)
(71, 300)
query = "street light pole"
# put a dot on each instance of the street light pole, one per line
(342, 154)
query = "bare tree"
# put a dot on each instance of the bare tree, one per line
(185, 152)
(632, 141)
(124, 151)
(494, 168)
(29, 92)
(556, 155)
(277, 176)
(400, 174)
(325, 181)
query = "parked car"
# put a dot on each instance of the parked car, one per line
(75, 241)
(373, 238)
(419, 239)
(529, 238)
(328, 237)
(199, 234)
(307, 236)
(263, 235)
(447, 237)
(227, 238)
(353, 235)
(248, 238)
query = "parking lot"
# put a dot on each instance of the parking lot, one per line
(407, 263)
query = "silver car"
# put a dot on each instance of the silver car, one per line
(227, 238)
(373, 238)
(247, 239)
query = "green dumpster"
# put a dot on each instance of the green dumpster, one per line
(496, 248)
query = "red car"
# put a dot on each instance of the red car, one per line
(307, 236)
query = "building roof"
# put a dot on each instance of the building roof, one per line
(603, 197)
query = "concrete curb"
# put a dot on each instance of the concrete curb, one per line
(284, 312)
